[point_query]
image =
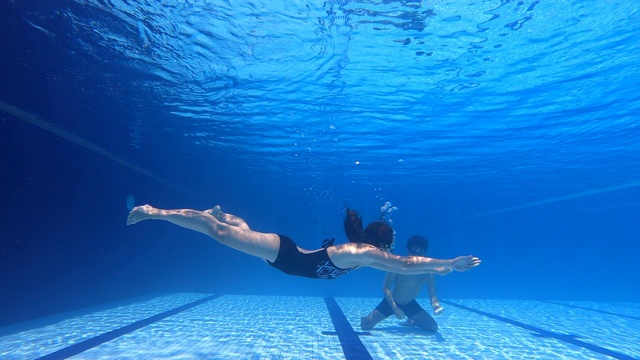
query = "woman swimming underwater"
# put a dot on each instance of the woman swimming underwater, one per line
(369, 247)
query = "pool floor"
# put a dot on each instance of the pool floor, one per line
(211, 326)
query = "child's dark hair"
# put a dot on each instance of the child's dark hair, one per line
(417, 241)
(378, 234)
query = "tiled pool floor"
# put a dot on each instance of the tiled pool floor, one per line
(209, 326)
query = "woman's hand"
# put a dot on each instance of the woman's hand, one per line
(464, 263)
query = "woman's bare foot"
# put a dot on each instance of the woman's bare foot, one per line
(139, 213)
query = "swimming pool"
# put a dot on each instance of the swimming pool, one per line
(192, 325)
(498, 128)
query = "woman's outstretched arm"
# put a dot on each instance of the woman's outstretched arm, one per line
(350, 255)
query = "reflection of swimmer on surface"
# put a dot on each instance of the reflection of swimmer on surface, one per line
(401, 301)
(370, 247)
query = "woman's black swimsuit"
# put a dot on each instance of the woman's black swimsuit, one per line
(312, 265)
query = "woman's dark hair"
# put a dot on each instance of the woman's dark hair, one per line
(353, 226)
(378, 234)
(417, 241)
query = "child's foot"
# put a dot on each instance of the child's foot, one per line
(364, 324)
(408, 323)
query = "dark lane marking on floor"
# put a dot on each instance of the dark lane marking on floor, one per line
(571, 339)
(85, 345)
(352, 347)
(595, 310)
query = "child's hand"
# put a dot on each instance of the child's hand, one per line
(443, 270)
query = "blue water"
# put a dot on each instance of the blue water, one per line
(504, 129)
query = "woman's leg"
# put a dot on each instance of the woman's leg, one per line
(225, 228)
(227, 218)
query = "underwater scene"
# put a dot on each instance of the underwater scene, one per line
(338, 179)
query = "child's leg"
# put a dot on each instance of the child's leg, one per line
(370, 321)
(424, 321)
